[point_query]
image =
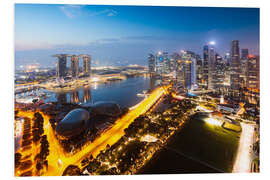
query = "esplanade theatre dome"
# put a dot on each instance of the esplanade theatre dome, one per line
(75, 122)
(107, 108)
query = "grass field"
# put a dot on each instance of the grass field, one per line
(211, 144)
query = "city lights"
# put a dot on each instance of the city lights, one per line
(134, 99)
(212, 42)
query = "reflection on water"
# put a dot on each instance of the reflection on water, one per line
(122, 92)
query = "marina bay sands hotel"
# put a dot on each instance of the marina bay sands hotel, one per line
(61, 67)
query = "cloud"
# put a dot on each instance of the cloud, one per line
(32, 46)
(73, 11)
(107, 12)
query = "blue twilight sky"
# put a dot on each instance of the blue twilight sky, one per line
(120, 35)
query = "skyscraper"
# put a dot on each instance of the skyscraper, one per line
(86, 64)
(219, 75)
(159, 63)
(189, 68)
(151, 64)
(61, 65)
(235, 66)
(205, 64)
(74, 66)
(253, 74)
(243, 70)
(173, 61)
(166, 63)
(211, 66)
(244, 53)
(199, 70)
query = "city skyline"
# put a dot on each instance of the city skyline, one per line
(117, 35)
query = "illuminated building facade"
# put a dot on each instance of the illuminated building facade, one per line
(61, 66)
(151, 64)
(74, 66)
(205, 64)
(86, 64)
(253, 74)
(235, 66)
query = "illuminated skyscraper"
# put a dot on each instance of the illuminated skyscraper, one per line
(173, 61)
(211, 66)
(86, 64)
(61, 65)
(235, 65)
(159, 63)
(166, 63)
(243, 70)
(74, 66)
(244, 53)
(199, 70)
(151, 64)
(253, 74)
(205, 64)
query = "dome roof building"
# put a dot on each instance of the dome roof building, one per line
(75, 122)
(106, 108)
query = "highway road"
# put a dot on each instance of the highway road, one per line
(244, 154)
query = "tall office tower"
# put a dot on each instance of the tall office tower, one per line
(244, 53)
(189, 64)
(211, 66)
(235, 66)
(180, 74)
(243, 69)
(173, 61)
(220, 67)
(61, 65)
(205, 64)
(166, 60)
(199, 70)
(86, 64)
(159, 63)
(253, 72)
(188, 71)
(227, 59)
(74, 66)
(151, 64)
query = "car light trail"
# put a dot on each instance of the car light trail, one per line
(243, 160)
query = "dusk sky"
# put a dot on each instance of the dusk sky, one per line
(121, 35)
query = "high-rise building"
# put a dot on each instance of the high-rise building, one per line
(219, 75)
(74, 66)
(151, 64)
(235, 66)
(243, 69)
(211, 66)
(189, 68)
(244, 53)
(166, 63)
(253, 74)
(159, 63)
(61, 65)
(199, 70)
(173, 61)
(227, 58)
(180, 74)
(205, 64)
(86, 64)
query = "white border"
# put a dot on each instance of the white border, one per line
(7, 64)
